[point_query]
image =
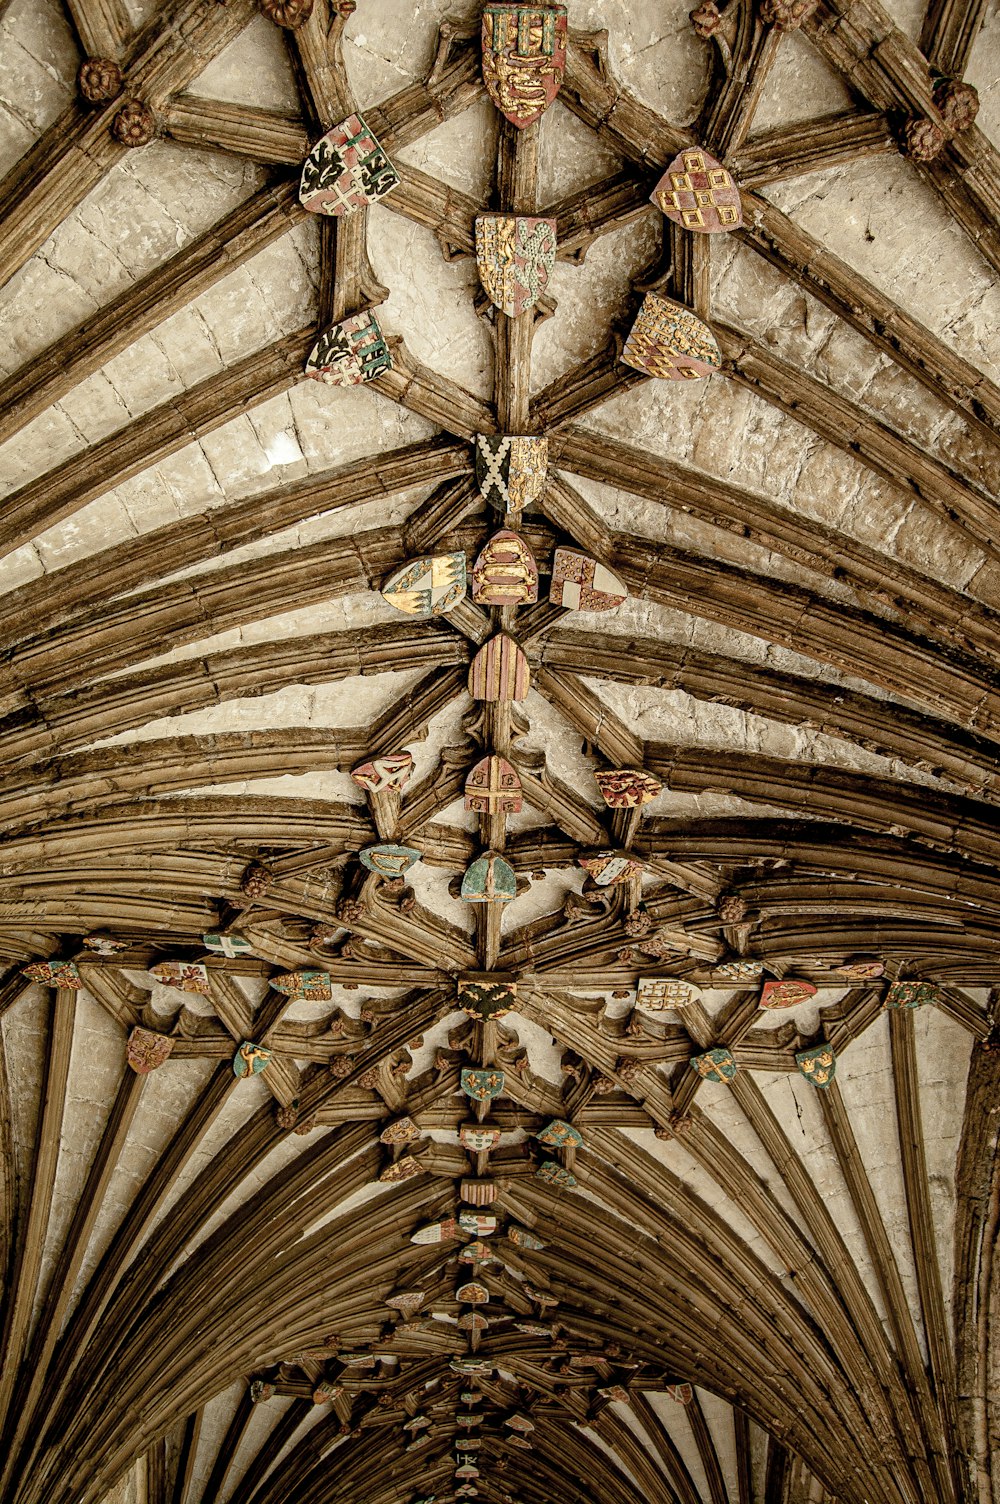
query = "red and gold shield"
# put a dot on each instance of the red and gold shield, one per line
(499, 671)
(146, 1050)
(515, 254)
(579, 583)
(505, 574)
(493, 788)
(667, 340)
(785, 994)
(524, 58)
(383, 773)
(697, 193)
(626, 788)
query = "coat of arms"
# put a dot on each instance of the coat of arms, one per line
(350, 352)
(523, 1237)
(862, 968)
(499, 671)
(261, 1391)
(478, 1192)
(427, 587)
(383, 773)
(478, 1137)
(524, 58)
(345, 170)
(493, 788)
(626, 788)
(655, 994)
(402, 1131)
(560, 1135)
(482, 1224)
(515, 254)
(477, 1252)
(669, 341)
(490, 879)
(505, 574)
(146, 1050)
(511, 469)
(787, 993)
(482, 1085)
(186, 976)
(911, 994)
(227, 945)
(307, 986)
(388, 860)
(483, 997)
(103, 944)
(581, 584)
(251, 1059)
(818, 1065)
(523, 1424)
(404, 1168)
(608, 868)
(436, 1232)
(555, 1174)
(408, 1303)
(715, 1065)
(54, 974)
(681, 1394)
(473, 1294)
(739, 971)
(615, 1392)
(697, 193)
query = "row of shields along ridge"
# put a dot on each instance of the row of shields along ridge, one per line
(524, 59)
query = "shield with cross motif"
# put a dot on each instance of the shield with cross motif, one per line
(524, 58)
(656, 994)
(493, 788)
(346, 170)
(715, 1065)
(511, 469)
(227, 945)
(579, 583)
(697, 193)
(350, 352)
(668, 341)
(515, 254)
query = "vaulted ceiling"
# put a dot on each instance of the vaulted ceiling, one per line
(684, 1238)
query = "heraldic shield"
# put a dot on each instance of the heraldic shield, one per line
(511, 469)
(489, 879)
(146, 1050)
(350, 352)
(818, 1065)
(431, 586)
(384, 773)
(485, 996)
(250, 1059)
(697, 193)
(524, 58)
(482, 1085)
(493, 788)
(305, 986)
(346, 170)
(668, 341)
(515, 254)
(627, 788)
(579, 583)
(54, 974)
(499, 671)
(787, 993)
(389, 860)
(505, 574)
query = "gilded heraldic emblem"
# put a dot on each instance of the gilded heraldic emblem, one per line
(515, 254)
(486, 997)
(345, 170)
(499, 671)
(818, 1065)
(739, 971)
(474, 1295)
(560, 1135)
(186, 976)
(786, 993)
(668, 341)
(227, 945)
(579, 583)
(697, 193)
(715, 1065)
(402, 1169)
(427, 587)
(608, 868)
(54, 974)
(483, 1224)
(626, 788)
(522, 1237)
(478, 1137)
(493, 788)
(403, 1131)
(250, 1059)
(350, 352)
(307, 986)
(511, 469)
(482, 1085)
(146, 1050)
(383, 773)
(489, 879)
(524, 58)
(555, 1174)
(655, 994)
(389, 860)
(505, 574)
(862, 968)
(911, 994)
(103, 944)
(436, 1232)
(477, 1252)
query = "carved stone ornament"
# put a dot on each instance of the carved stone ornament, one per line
(288, 13)
(227, 945)
(787, 993)
(697, 193)
(304, 986)
(389, 860)
(923, 140)
(480, 1224)
(403, 1131)
(609, 868)
(99, 79)
(505, 574)
(256, 881)
(656, 994)
(786, 15)
(431, 586)
(493, 788)
(581, 584)
(134, 125)
(436, 1232)
(384, 773)
(668, 341)
(103, 944)
(482, 1085)
(350, 352)
(555, 1174)
(54, 974)
(346, 170)
(146, 1050)
(818, 1065)
(489, 879)
(682, 1394)
(738, 971)
(627, 788)
(862, 968)
(560, 1135)
(523, 1237)
(511, 469)
(186, 976)
(251, 1059)
(402, 1169)
(499, 671)
(484, 997)
(911, 994)
(515, 254)
(707, 19)
(477, 1138)
(524, 58)
(715, 1065)
(957, 103)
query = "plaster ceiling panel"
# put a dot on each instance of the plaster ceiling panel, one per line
(38, 60)
(570, 155)
(943, 1049)
(460, 151)
(393, 44)
(982, 74)
(256, 66)
(653, 50)
(801, 86)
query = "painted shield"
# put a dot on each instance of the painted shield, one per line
(345, 170)
(482, 1085)
(511, 469)
(384, 773)
(436, 1232)
(520, 1423)
(534, 1328)
(555, 1174)
(431, 586)
(521, 1442)
(325, 1394)
(261, 1391)
(402, 1131)
(146, 1050)
(499, 671)
(682, 1394)
(479, 1367)
(466, 1470)
(489, 879)
(54, 974)
(608, 868)
(186, 976)
(505, 574)
(408, 1302)
(818, 1065)
(911, 994)
(307, 986)
(493, 788)
(474, 1295)
(787, 993)
(668, 341)
(404, 1168)
(581, 584)
(524, 58)
(466, 1491)
(250, 1059)
(616, 1392)
(350, 352)
(478, 1192)
(560, 1135)
(417, 1423)
(627, 788)
(388, 860)
(522, 1237)
(862, 968)
(477, 1252)
(481, 997)
(697, 193)
(739, 971)
(227, 945)
(477, 1138)
(655, 994)
(515, 254)
(103, 944)
(715, 1065)
(481, 1224)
